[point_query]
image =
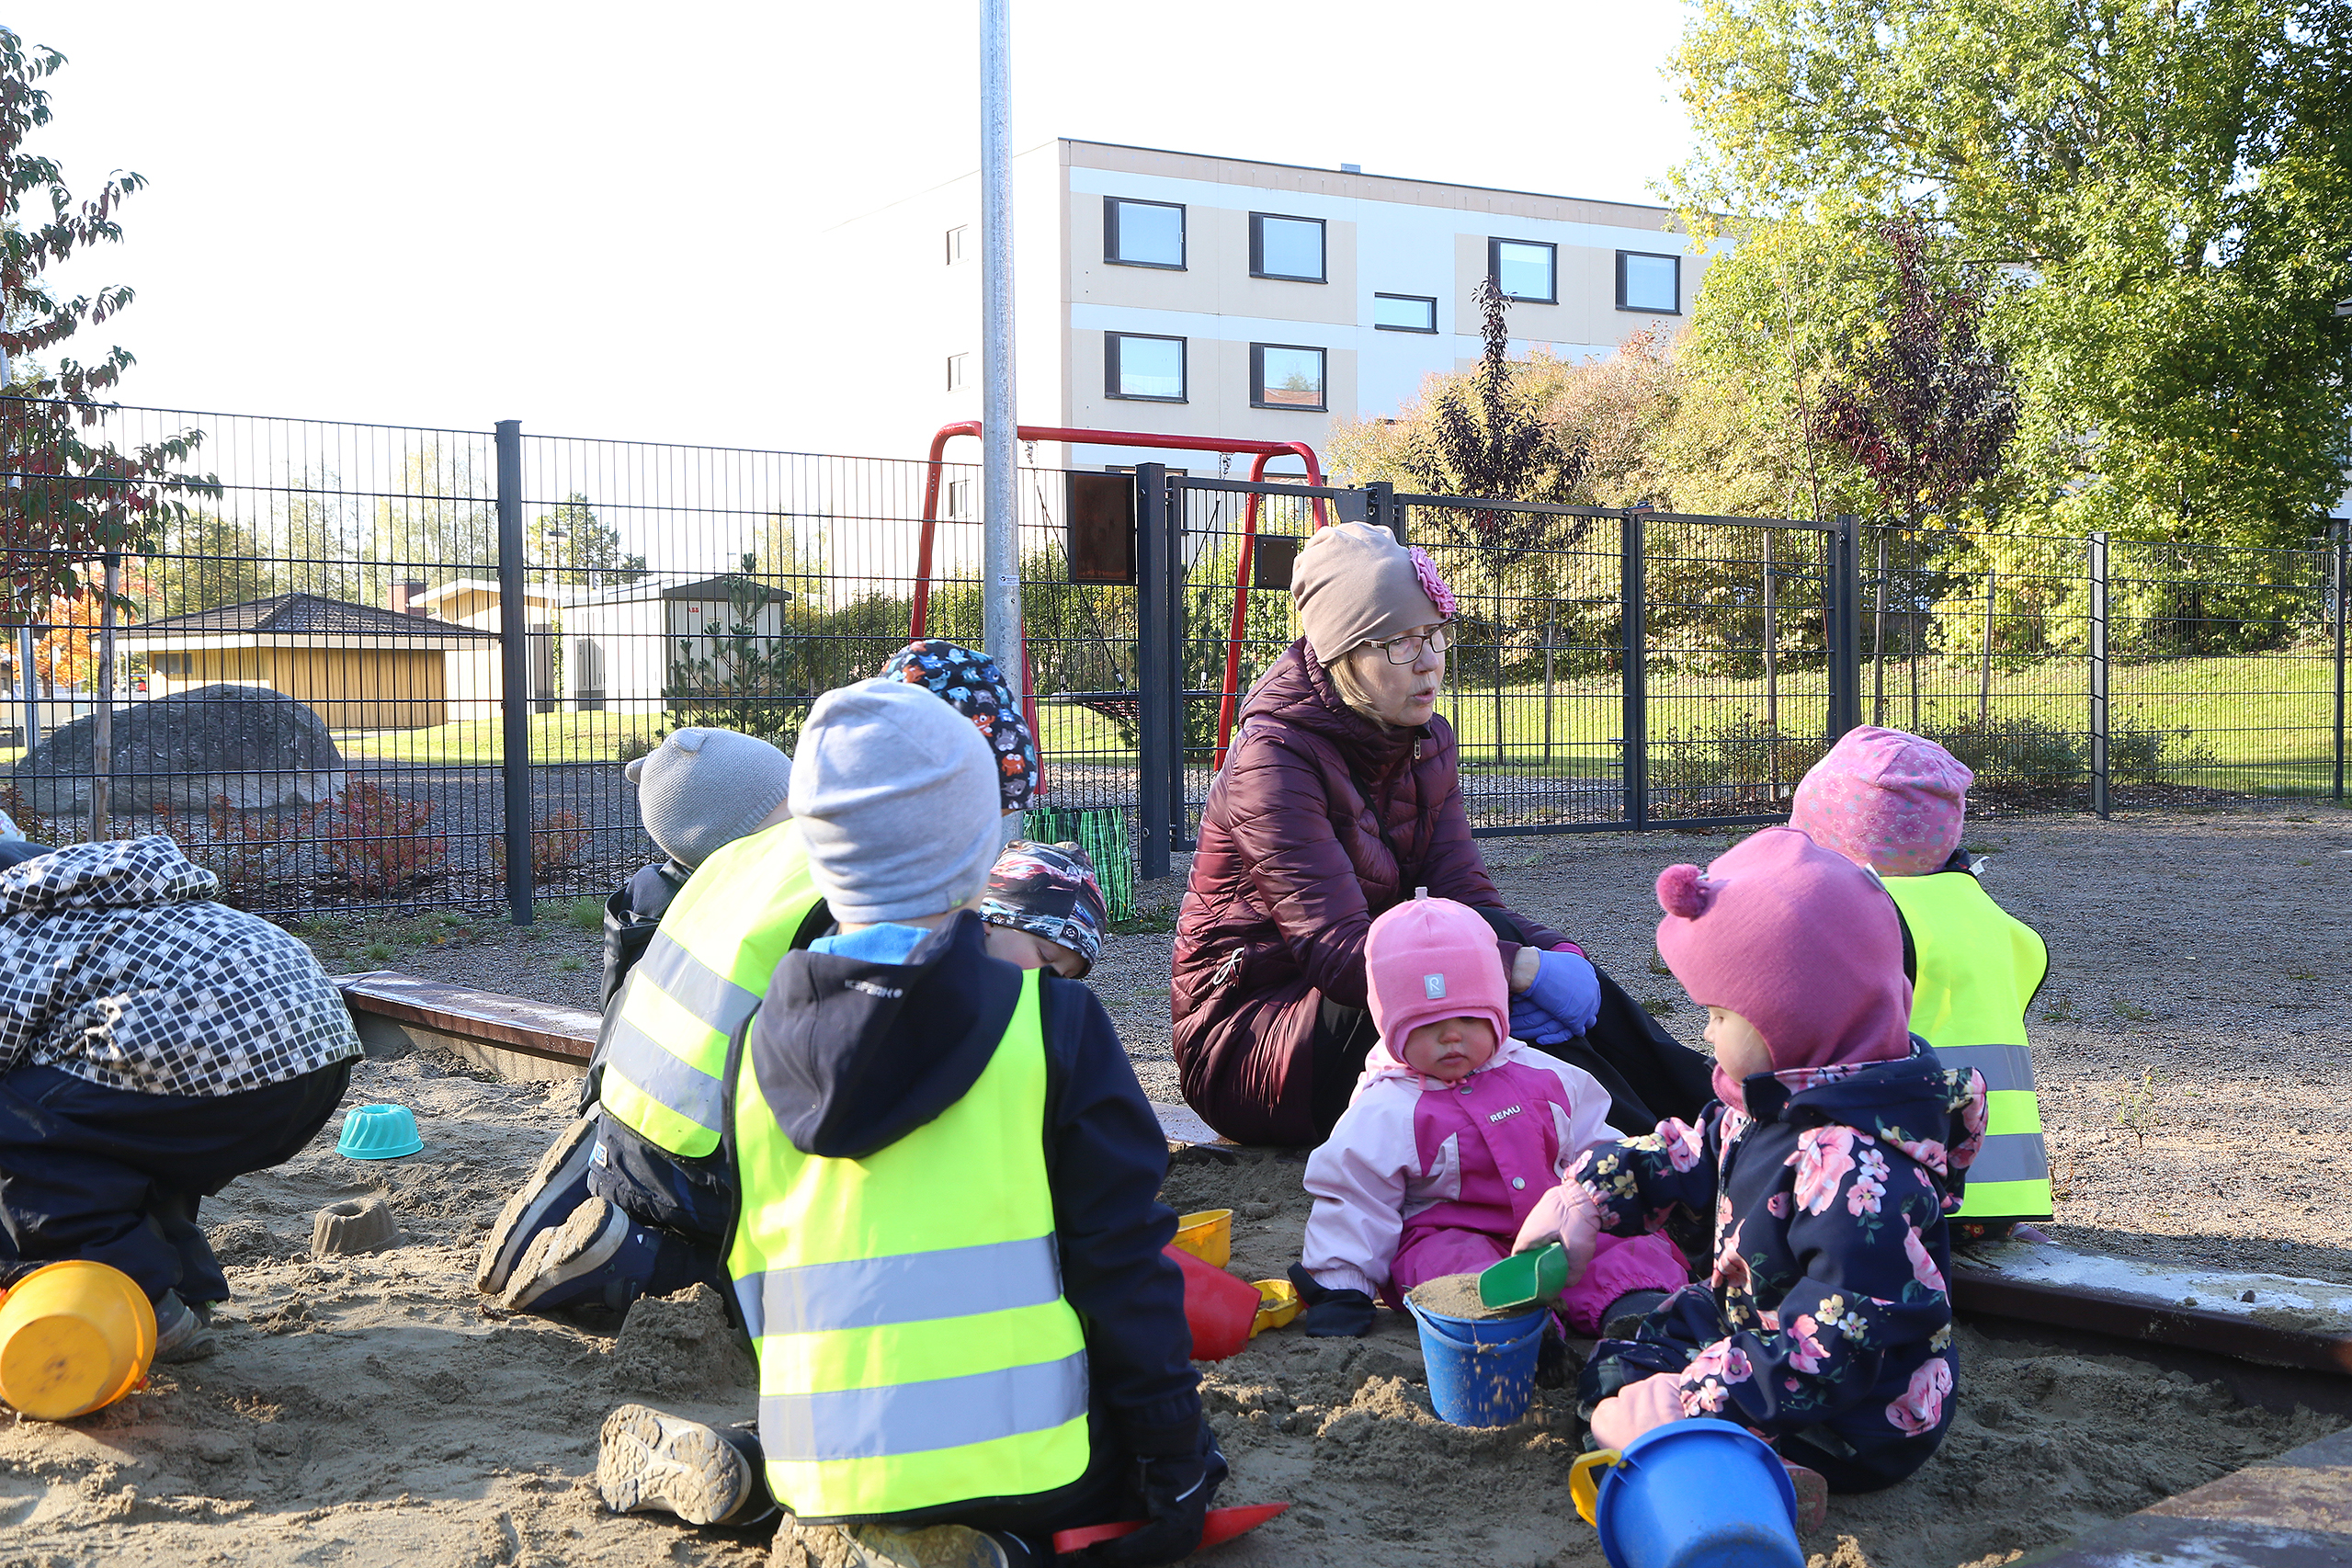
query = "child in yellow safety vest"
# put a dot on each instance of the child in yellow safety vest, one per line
(1896, 803)
(949, 1253)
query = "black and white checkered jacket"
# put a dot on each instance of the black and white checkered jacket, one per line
(115, 967)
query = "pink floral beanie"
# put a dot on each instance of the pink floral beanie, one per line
(1893, 801)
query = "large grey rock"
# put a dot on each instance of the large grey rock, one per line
(260, 748)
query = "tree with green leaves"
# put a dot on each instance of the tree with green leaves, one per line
(578, 551)
(73, 496)
(2167, 182)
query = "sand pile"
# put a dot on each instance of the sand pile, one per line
(368, 1409)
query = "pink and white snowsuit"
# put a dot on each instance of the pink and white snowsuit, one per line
(1423, 1178)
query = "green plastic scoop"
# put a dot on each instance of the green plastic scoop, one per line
(1525, 1278)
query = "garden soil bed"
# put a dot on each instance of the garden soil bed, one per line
(370, 1410)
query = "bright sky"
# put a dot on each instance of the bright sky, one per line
(583, 215)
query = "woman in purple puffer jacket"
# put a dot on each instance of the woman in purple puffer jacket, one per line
(1340, 798)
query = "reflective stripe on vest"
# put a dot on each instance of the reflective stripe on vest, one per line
(1979, 967)
(704, 973)
(905, 1308)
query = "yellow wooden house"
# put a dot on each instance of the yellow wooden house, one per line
(358, 667)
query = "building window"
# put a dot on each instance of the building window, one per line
(1283, 375)
(959, 367)
(959, 498)
(1646, 282)
(1404, 313)
(1290, 248)
(1525, 269)
(1140, 367)
(956, 237)
(1143, 233)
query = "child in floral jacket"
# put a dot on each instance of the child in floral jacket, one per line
(1836, 1147)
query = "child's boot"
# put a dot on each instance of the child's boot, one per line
(705, 1475)
(597, 1257)
(182, 1333)
(1812, 1497)
(933, 1546)
(557, 1185)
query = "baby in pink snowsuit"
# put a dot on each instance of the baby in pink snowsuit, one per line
(1454, 1133)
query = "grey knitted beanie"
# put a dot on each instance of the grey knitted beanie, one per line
(700, 789)
(1353, 584)
(896, 796)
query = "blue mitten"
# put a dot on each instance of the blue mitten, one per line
(1561, 1004)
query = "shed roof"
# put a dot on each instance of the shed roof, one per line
(302, 615)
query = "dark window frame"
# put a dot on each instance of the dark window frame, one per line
(1111, 341)
(1495, 244)
(1257, 247)
(1649, 256)
(1428, 300)
(1110, 234)
(1258, 377)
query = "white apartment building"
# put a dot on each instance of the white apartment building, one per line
(1171, 292)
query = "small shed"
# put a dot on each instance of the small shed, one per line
(357, 666)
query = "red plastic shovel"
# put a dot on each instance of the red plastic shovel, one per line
(1223, 1525)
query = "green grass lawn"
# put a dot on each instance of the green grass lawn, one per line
(2263, 722)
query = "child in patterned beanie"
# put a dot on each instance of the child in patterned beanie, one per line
(1896, 804)
(1044, 908)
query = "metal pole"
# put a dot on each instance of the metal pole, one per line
(1550, 635)
(26, 690)
(999, 419)
(1155, 681)
(1844, 594)
(2342, 538)
(1633, 626)
(2099, 802)
(1771, 648)
(1879, 641)
(514, 684)
(1911, 632)
(102, 726)
(1984, 675)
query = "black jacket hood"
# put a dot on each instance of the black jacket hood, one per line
(854, 1055)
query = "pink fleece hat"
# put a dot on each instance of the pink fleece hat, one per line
(1887, 800)
(1429, 959)
(1802, 943)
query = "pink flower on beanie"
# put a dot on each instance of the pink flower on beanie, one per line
(1893, 801)
(1426, 571)
(1798, 941)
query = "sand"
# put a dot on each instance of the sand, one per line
(1456, 1296)
(369, 1409)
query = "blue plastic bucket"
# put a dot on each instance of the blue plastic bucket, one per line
(1698, 1493)
(1482, 1371)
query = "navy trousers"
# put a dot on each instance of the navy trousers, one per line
(116, 1176)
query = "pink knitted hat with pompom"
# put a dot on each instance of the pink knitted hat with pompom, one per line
(1802, 943)
(1885, 798)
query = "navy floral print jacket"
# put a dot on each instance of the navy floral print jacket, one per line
(1825, 1317)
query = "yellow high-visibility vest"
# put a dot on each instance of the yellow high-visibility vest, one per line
(1977, 970)
(664, 1046)
(905, 1308)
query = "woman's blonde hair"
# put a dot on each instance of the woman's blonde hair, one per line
(1341, 671)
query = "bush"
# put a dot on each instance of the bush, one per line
(557, 842)
(2018, 753)
(373, 838)
(1729, 766)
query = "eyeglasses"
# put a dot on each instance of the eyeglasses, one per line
(1406, 648)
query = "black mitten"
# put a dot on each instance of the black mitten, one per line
(1333, 1315)
(1177, 1491)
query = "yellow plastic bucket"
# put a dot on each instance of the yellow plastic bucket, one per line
(74, 1337)
(1207, 1236)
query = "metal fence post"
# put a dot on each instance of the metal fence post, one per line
(1157, 706)
(1380, 498)
(1633, 630)
(2336, 570)
(1844, 594)
(515, 688)
(2099, 802)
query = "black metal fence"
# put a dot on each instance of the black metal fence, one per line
(362, 665)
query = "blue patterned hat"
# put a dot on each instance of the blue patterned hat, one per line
(967, 681)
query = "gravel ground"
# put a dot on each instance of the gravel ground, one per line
(2202, 947)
